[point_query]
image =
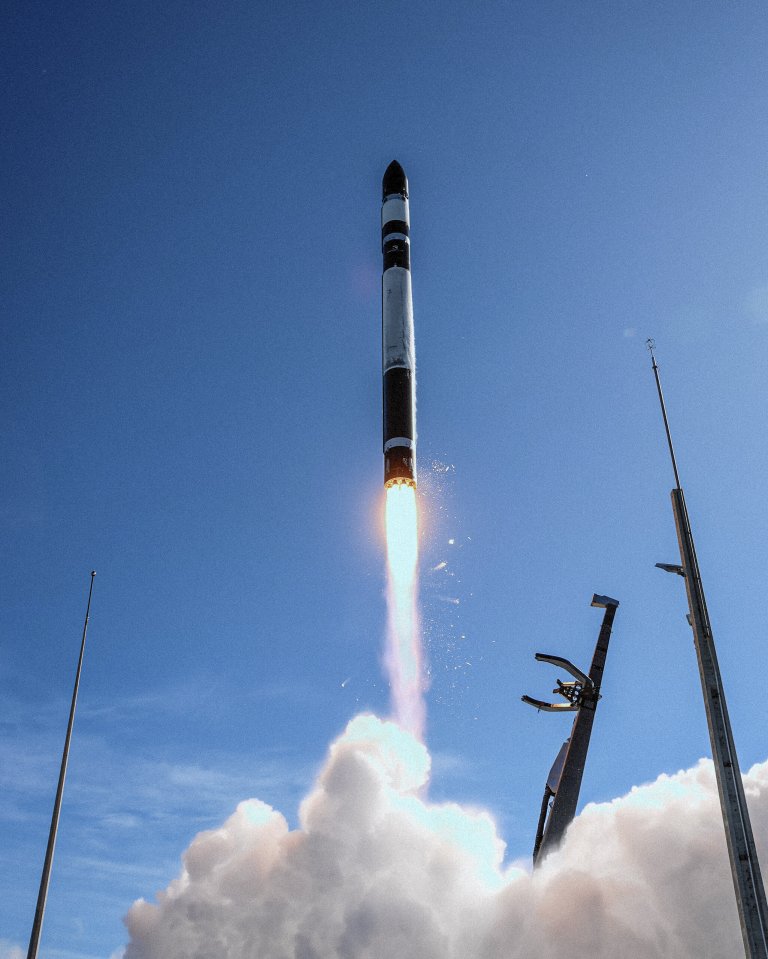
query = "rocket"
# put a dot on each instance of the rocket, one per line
(398, 351)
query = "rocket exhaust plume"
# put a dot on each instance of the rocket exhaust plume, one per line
(403, 654)
(376, 870)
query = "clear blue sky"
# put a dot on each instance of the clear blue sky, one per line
(191, 402)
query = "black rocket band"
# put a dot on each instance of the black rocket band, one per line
(398, 351)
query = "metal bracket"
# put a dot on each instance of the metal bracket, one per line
(577, 692)
(565, 664)
(549, 707)
(603, 602)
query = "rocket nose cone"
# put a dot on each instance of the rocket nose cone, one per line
(395, 180)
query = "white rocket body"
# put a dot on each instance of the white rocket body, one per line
(398, 349)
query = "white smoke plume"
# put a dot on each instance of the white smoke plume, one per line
(376, 871)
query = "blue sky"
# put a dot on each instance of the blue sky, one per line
(191, 402)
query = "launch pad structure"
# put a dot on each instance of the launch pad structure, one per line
(582, 695)
(745, 867)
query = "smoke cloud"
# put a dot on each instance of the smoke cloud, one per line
(376, 870)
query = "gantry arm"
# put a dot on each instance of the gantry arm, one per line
(565, 664)
(550, 707)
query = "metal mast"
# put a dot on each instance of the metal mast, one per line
(745, 868)
(42, 895)
(582, 695)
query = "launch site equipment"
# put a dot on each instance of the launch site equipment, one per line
(745, 868)
(42, 895)
(581, 696)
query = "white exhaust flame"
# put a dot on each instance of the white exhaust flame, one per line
(403, 657)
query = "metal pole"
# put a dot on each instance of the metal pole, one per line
(42, 895)
(745, 867)
(651, 347)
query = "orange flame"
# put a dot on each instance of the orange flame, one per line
(403, 655)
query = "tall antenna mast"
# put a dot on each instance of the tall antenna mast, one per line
(745, 868)
(42, 895)
(651, 347)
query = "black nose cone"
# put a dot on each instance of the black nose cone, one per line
(395, 181)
